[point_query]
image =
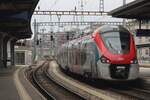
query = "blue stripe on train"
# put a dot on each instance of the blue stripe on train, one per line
(96, 52)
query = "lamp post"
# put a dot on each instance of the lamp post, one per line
(34, 52)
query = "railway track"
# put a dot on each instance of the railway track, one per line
(49, 88)
(38, 80)
(55, 90)
(133, 93)
(138, 91)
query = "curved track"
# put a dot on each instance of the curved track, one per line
(49, 88)
(38, 82)
(53, 87)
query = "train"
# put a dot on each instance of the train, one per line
(108, 53)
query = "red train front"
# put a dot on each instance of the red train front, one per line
(117, 53)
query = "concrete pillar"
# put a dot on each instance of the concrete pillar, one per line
(8, 53)
(1, 51)
(5, 41)
(12, 51)
(140, 24)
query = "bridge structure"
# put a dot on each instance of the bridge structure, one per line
(78, 23)
(77, 13)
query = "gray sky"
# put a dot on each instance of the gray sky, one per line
(70, 5)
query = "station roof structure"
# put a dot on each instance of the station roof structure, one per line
(138, 9)
(15, 16)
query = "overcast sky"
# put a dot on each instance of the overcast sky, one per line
(71, 4)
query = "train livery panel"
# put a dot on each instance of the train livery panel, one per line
(107, 53)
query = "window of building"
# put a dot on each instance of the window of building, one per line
(140, 39)
(139, 51)
(146, 39)
(20, 58)
(146, 52)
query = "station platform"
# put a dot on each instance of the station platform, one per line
(15, 86)
(146, 65)
(8, 89)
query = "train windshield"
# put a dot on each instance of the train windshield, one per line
(117, 42)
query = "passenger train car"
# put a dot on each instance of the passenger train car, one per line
(108, 53)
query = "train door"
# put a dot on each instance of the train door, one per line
(94, 59)
(83, 55)
(87, 58)
(89, 66)
(59, 58)
(66, 57)
(76, 53)
(78, 58)
(70, 55)
(74, 61)
(62, 57)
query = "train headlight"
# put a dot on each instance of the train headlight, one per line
(104, 60)
(135, 61)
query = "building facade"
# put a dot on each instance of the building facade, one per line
(142, 42)
(143, 49)
(23, 52)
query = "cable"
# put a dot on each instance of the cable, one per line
(56, 1)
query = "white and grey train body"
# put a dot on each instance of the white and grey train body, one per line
(108, 53)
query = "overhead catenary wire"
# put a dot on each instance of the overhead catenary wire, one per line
(55, 2)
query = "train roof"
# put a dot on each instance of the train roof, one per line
(108, 28)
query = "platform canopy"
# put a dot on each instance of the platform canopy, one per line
(15, 16)
(138, 9)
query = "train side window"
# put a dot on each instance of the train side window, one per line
(85, 44)
(70, 56)
(76, 58)
(67, 57)
(82, 57)
(79, 57)
(146, 52)
(62, 56)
